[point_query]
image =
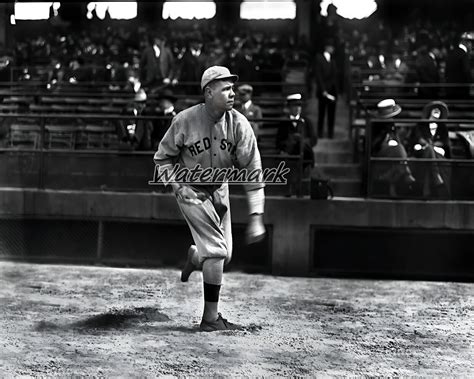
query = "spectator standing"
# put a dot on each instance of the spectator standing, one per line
(326, 82)
(458, 67)
(427, 68)
(192, 64)
(246, 106)
(157, 65)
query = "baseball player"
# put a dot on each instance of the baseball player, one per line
(213, 135)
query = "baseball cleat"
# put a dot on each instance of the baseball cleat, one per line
(189, 266)
(220, 324)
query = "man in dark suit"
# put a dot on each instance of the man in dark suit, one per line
(295, 128)
(245, 105)
(166, 101)
(135, 134)
(296, 134)
(458, 67)
(192, 64)
(326, 82)
(157, 65)
(427, 68)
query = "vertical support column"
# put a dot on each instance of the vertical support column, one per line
(42, 169)
(291, 241)
(303, 18)
(100, 241)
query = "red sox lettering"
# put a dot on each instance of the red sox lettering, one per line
(204, 144)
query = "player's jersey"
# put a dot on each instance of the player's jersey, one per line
(194, 137)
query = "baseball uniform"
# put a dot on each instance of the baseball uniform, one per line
(194, 137)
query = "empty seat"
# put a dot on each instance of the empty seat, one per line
(63, 108)
(25, 136)
(95, 136)
(40, 108)
(61, 136)
(9, 108)
(88, 109)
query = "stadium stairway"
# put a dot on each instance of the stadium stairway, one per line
(334, 157)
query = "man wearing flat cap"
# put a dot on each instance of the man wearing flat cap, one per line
(214, 136)
(246, 106)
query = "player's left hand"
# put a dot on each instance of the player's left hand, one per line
(187, 195)
(255, 229)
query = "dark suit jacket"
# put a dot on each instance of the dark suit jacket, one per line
(326, 75)
(458, 68)
(254, 111)
(191, 67)
(153, 68)
(141, 140)
(288, 140)
(427, 69)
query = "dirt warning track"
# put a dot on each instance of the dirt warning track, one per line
(58, 320)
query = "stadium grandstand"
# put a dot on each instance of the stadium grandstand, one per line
(390, 190)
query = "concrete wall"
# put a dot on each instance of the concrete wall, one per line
(292, 221)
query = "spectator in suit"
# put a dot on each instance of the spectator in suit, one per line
(192, 64)
(245, 105)
(386, 143)
(427, 70)
(296, 131)
(326, 82)
(135, 134)
(430, 140)
(166, 102)
(458, 67)
(157, 65)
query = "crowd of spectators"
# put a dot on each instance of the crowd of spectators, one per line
(116, 52)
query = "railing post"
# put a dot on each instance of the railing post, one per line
(299, 191)
(368, 152)
(100, 241)
(41, 157)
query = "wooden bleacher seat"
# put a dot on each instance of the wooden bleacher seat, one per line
(111, 110)
(40, 108)
(98, 101)
(96, 136)
(25, 135)
(18, 100)
(63, 108)
(61, 136)
(9, 108)
(51, 99)
(88, 109)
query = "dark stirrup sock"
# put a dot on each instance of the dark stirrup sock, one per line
(211, 292)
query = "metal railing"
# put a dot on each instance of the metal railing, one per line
(460, 179)
(97, 169)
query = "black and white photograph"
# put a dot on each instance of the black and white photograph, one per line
(244, 188)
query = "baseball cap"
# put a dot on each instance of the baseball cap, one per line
(216, 73)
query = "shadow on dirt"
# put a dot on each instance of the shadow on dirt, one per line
(114, 319)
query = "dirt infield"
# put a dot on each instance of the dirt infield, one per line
(63, 320)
